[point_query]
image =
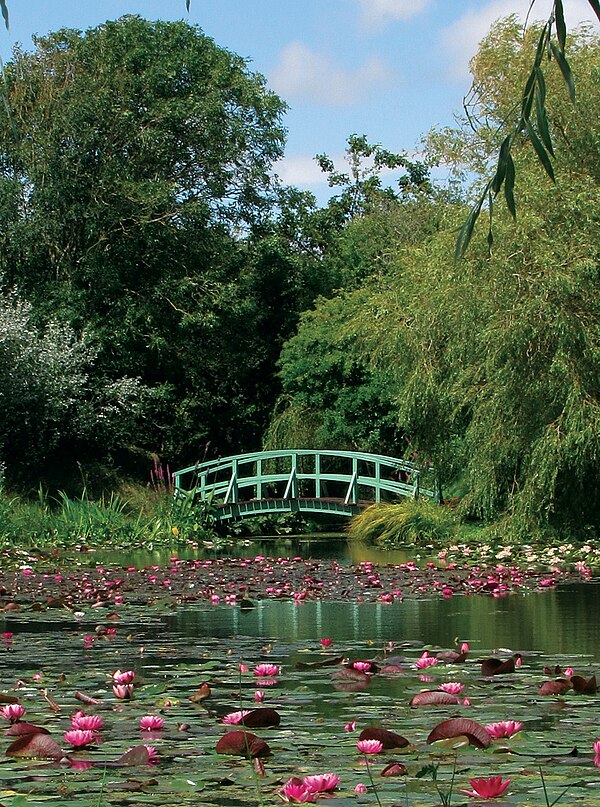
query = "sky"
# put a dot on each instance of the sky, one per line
(388, 69)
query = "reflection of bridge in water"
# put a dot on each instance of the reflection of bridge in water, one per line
(293, 623)
(305, 481)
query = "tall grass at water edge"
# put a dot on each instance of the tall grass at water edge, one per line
(136, 516)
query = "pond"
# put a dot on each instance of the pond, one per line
(60, 657)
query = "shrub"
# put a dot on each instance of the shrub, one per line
(49, 396)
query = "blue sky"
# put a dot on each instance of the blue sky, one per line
(389, 69)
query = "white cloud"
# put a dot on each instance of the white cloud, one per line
(304, 74)
(461, 39)
(380, 12)
(300, 170)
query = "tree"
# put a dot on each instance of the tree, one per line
(531, 121)
(135, 160)
(496, 357)
(332, 397)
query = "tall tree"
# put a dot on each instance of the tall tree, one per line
(134, 159)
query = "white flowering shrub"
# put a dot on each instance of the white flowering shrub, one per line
(49, 396)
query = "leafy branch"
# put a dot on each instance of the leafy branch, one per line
(532, 122)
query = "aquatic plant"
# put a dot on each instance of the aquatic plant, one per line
(491, 787)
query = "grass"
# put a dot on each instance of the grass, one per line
(138, 515)
(406, 523)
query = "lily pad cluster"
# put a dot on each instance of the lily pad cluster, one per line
(241, 581)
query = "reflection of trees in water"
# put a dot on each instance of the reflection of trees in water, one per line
(560, 622)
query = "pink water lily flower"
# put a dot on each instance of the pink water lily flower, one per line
(369, 746)
(123, 691)
(152, 754)
(505, 728)
(259, 696)
(426, 661)
(350, 726)
(295, 791)
(491, 787)
(235, 717)
(13, 712)
(452, 687)
(266, 670)
(125, 677)
(79, 738)
(86, 722)
(360, 788)
(361, 666)
(321, 782)
(151, 723)
(326, 642)
(597, 754)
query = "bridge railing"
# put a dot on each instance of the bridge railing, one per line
(352, 477)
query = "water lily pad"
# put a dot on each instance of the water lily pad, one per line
(38, 745)
(459, 726)
(242, 743)
(433, 697)
(389, 739)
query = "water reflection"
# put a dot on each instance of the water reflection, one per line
(308, 546)
(334, 546)
(562, 622)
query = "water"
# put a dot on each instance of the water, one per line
(563, 621)
(173, 651)
(334, 546)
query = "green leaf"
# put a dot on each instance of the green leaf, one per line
(561, 28)
(498, 177)
(542, 43)
(540, 85)
(540, 150)
(540, 113)
(565, 69)
(466, 231)
(509, 184)
(528, 94)
(5, 13)
(490, 235)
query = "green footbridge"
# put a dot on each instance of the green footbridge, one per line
(340, 483)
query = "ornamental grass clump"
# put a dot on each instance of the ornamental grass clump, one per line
(409, 522)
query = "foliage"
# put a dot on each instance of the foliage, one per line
(134, 192)
(333, 399)
(403, 524)
(535, 129)
(49, 399)
(492, 363)
(362, 189)
(141, 518)
(518, 333)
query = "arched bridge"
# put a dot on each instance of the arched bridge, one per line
(305, 481)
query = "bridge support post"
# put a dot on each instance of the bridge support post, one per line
(317, 476)
(231, 496)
